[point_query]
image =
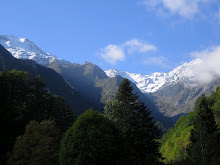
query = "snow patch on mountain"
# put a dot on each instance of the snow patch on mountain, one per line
(22, 48)
(151, 83)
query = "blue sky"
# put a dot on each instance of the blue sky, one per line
(139, 36)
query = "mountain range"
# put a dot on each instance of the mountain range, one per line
(166, 93)
(153, 82)
(82, 86)
(174, 92)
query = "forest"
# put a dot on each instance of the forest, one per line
(38, 127)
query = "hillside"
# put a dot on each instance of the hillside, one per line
(88, 80)
(54, 82)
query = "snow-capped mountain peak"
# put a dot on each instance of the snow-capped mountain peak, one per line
(153, 82)
(22, 48)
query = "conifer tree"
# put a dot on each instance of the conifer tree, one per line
(138, 130)
(143, 135)
(120, 110)
(204, 136)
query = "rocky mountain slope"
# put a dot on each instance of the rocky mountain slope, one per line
(54, 82)
(22, 48)
(153, 82)
(88, 80)
(172, 92)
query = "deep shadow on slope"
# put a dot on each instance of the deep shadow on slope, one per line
(54, 82)
(93, 84)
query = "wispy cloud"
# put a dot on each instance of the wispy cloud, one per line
(160, 61)
(135, 45)
(114, 53)
(217, 15)
(208, 69)
(184, 8)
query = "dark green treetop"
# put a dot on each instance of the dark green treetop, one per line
(204, 135)
(137, 128)
(92, 140)
(38, 145)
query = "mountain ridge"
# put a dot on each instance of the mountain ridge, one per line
(54, 82)
(22, 48)
(92, 83)
(153, 82)
(172, 92)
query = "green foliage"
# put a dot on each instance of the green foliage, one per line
(195, 137)
(175, 143)
(38, 145)
(214, 102)
(204, 136)
(15, 91)
(22, 99)
(137, 129)
(91, 140)
(120, 110)
(143, 136)
(113, 111)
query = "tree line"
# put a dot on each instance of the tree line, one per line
(39, 128)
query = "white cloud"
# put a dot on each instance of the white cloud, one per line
(135, 45)
(112, 54)
(184, 8)
(209, 68)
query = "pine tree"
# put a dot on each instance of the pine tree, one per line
(143, 136)
(120, 110)
(138, 130)
(204, 136)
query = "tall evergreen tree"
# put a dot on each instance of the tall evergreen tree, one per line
(120, 110)
(204, 136)
(138, 130)
(143, 135)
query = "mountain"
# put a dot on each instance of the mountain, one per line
(180, 98)
(22, 48)
(54, 82)
(80, 77)
(88, 80)
(174, 92)
(153, 82)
